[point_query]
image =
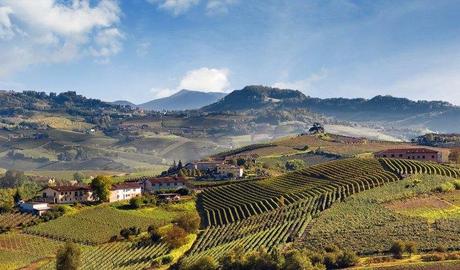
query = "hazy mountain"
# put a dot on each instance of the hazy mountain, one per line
(386, 110)
(123, 103)
(183, 100)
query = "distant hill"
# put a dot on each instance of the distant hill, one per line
(123, 103)
(183, 100)
(386, 110)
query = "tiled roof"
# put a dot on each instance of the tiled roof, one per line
(168, 179)
(125, 185)
(70, 188)
(409, 151)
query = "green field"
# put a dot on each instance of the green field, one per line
(96, 225)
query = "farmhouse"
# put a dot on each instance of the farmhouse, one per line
(423, 154)
(67, 194)
(35, 208)
(204, 165)
(230, 170)
(152, 185)
(124, 191)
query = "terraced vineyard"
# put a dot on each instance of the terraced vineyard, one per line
(274, 211)
(121, 255)
(18, 250)
(12, 220)
(331, 181)
(405, 167)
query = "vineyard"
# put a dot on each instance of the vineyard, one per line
(13, 220)
(271, 212)
(94, 225)
(121, 255)
(371, 227)
(18, 250)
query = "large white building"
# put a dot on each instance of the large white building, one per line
(124, 191)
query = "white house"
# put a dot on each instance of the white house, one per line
(125, 191)
(36, 208)
(230, 170)
(67, 194)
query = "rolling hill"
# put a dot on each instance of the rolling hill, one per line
(385, 111)
(183, 100)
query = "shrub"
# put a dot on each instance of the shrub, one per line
(331, 248)
(347, 259)
(441, 248)
(166, 260)
(154, 233)
(204, 263)
(453, 256)
(190, 222)
(446, 187)
(457, 184)
(135, 202)
(176, 237)
(68, 257)
(127, 232)
(411, 247)
(397, 249)
(432, 257)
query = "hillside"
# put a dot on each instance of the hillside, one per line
(387, 112)
(183, 100)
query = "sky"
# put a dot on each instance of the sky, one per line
(139, 50)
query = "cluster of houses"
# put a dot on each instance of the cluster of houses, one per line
(219, 168)
(68, 194)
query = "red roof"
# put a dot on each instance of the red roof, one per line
(70, 188)
(125, 185)
(409, 151)
(167, 179)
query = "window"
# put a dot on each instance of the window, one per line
(432, 156)
(392, 155)
(384, 155)
(400, 155)
(423, 157)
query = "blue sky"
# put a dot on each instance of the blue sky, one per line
(143, 49)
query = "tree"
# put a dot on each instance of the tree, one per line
(204, 263)
(190, 222)
(154, 233)
(411, 247)
(295, 260)
(347, 259)
(101, 187)
(13, 179)
(397, 249)
(17, 197)
(317, 128)
(176, 237)
(79, 177)
(135, 202)
(68, 257)
(294, 164)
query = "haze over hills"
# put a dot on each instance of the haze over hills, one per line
(380, 110)
(182, 100)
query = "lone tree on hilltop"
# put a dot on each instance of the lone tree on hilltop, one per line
(317, 128)
(68, 257)
(101, 186)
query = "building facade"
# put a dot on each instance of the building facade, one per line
(170, 183)
(67, 194)
(231, 171)
(35, 208)
(124, 191)
(422, 154)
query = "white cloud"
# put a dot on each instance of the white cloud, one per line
(208, 79)
(179, 7)
(202, 79)
(55, 31)
(176, 7)
(219, 6)
(6, 29)
(305, 84)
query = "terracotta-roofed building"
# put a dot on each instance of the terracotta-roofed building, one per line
(124, 191)
(67, 194)
(151, 185)
(229, 170)
(204, 165)
(423, 154)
